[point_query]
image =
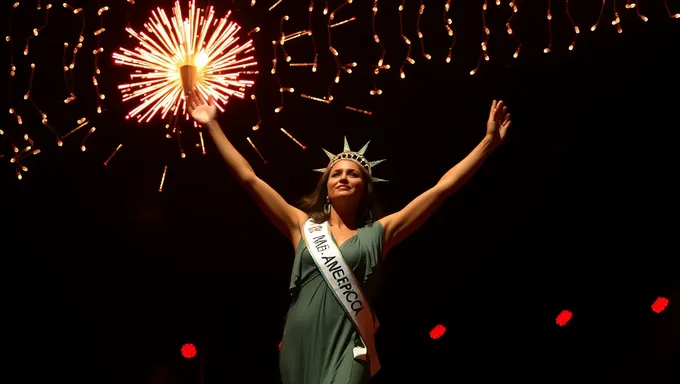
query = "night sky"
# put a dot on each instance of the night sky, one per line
(105, 277)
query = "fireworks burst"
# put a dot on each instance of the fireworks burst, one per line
(179, 54)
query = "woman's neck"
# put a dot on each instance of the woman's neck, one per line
(343, 218)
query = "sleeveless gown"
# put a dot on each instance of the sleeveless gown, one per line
(319, 338)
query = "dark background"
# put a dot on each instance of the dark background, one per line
(104, 278)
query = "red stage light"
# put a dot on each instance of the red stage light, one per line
(437, 332)
(659, 304)
(563, 318)
(188, 350)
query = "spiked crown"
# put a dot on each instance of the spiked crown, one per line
(357, 157)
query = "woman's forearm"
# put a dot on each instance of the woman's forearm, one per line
(236, 163)
(455, 177)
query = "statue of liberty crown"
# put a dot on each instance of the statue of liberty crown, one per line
(357, 157)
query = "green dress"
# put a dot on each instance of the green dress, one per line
(319, 338)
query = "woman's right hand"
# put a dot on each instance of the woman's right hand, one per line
(201, 110)
(285, 217)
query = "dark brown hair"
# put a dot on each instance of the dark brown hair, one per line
(313, 203)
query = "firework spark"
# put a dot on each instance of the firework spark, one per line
(178, 54)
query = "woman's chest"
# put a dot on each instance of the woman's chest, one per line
(351, 251)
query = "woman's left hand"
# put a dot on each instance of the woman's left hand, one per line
(498, 123)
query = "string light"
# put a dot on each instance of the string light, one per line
(284, 38)
(294, 139)
(632, 4)
(19, 153)
(640, 15)
(43, 115)
(165, 171)
(182, 154)
(339, 23)
(376, 68)
(599, 17)
(274, 60)
(257, 110)
(257, 150)
(273, 72)
(106, 163)
(311, 34)
(158, 84)
(577, 31)
(369, 113)
(82, 143)
(508, 28)
(76, 49)
(420, 34)
(451, 32)
(21, 156)
(273, 5)
(326, 101)
(280, 43)
(254, 30)
(670, 14)
(174, 120)
(334, 51)
(487, 31)
(67, 85)
(82, 123)
(485, 38)
(408, 58)
(617, 21)
(294, 35)
(549, 17)
(12, 69)
(36, 31)
(69, 69)
(200, 135)
(98, 33)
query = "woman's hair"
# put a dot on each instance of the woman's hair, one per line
(313, 203)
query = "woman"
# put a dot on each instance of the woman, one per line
(328, 335)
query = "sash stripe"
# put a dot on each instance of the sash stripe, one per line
(345, 287)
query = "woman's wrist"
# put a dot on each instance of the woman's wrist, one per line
(212, 125)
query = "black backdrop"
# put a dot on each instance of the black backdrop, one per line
(105, 278)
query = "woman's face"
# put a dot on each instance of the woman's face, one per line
(345, 181)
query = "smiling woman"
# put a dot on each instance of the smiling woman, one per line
(330, 327)
(343, 185)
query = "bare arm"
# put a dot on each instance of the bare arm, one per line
(284, 216)
(403, 223)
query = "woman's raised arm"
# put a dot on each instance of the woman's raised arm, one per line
(284, 216)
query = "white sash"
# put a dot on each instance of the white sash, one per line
(341, 281)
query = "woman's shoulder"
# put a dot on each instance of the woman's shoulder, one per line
(373, 225)
(372, 229)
